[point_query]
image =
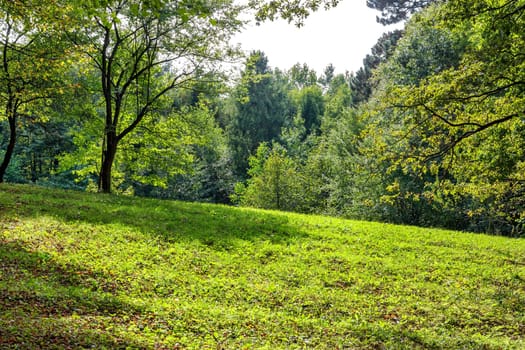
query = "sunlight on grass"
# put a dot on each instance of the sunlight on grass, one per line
(82, 270)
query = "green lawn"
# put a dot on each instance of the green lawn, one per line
(97, 271)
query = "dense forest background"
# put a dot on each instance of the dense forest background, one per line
(136, 98)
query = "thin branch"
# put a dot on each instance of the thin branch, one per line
(448, 122)
(176, 81)
(453, 143)
(487, 93)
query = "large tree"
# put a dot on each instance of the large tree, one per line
(142, 52)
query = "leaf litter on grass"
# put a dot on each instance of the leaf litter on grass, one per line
(85, 270)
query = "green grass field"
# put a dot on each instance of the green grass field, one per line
(84, 270)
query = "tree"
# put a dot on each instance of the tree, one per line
(31, 62)
(338, 98)
(466, 75)
(302, 76)
(198, 169)
(142, 52)
(362, 82)
(333, 164)
(394, 11)
(327, 76)
(309, 103)
(261, 110)
(459, 112)
(39, 146)
(274, 181)
(404, 193)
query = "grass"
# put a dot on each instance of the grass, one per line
(82, 270)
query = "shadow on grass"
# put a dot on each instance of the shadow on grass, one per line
(48, 306)
(213, 225)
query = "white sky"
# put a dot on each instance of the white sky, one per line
(342, 36)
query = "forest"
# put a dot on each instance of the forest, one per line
(139, 98)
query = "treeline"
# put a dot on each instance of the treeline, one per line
(132, 98)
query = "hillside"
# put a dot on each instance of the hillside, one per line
(98, 271)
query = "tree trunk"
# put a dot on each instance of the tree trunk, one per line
(10, 147)
(109, 151)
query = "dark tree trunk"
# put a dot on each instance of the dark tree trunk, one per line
(10, 148)
(108, 156)
(9, 109)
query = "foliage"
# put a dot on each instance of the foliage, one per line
(393, 11)
(261, 102)
(292, 11)
(301, 76)
(362, 83)
(334, 162)
(161, 148)
(209, 177)
(33, 59)
(274, 181)
(309, 102)
(400, 192)
(143, 51)
(39, 146)
(90, 271)
(456, 118)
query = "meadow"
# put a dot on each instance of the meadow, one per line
(80, 270)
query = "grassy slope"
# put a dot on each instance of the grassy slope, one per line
(84, 270)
